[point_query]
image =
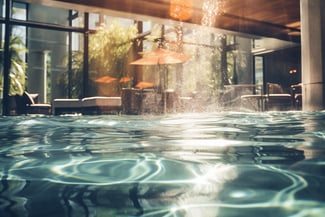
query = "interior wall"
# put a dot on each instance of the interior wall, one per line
(279, 66)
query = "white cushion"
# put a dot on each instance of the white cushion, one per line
(101, 101)
(67, 103)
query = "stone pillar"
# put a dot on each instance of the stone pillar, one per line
(313, 54)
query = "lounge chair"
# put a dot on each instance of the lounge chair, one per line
(101, 105)
(91, 105)
(277, 99)
(67, 106)
(253, 98)
(29, 105)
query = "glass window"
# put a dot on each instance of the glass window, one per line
(77, 19)
(1, 65)
(146, 26)
(73, 80)
(95, 20)
(109, 47)
(258, 61)
(55, 66)
(2, 10)
(43, 61)
(19, 11)
(45, 14)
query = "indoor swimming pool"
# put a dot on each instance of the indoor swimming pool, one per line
(226, 164)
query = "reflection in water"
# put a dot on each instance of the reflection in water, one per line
(214, 164)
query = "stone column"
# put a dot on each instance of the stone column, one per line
(313, 54)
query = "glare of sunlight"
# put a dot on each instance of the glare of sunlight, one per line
(204, 193)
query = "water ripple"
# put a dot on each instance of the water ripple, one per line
(208, 164)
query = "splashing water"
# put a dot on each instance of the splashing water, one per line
(211, 9)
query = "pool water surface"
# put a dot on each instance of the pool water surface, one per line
(222, 164)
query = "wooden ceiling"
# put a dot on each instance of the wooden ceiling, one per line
(270, 18)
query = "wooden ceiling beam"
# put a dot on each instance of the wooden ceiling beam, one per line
(256, 17)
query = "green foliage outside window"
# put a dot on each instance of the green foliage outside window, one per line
(109, 50)
(71, 81)
(18, 66)
(109, 47)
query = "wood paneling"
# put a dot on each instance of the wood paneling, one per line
(259, 17)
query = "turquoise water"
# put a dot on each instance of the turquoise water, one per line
(210, 164)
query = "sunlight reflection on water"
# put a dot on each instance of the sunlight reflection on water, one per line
(210, 164)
